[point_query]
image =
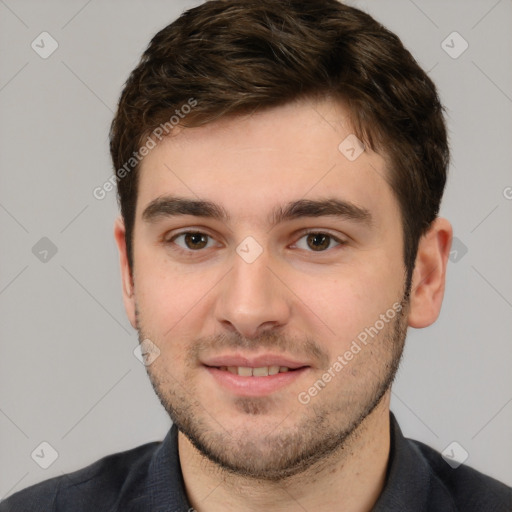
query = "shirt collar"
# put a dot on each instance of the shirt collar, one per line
(407, 487)
(407, 481)
(410, 483)
(165, 485)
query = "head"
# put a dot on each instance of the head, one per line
(249, 229)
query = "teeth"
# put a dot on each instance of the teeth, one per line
(264, 371)
(273, 370)
(244, 371)
(260, 372)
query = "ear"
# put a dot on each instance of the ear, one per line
(429, 276)
(126, 275)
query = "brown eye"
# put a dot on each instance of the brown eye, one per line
(318, 242)
(191, 240)
(196, 240)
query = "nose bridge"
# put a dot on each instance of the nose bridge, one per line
(251, 298)
(251, 278)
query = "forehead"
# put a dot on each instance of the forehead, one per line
(256, 163)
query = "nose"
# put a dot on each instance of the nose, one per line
(252, 299)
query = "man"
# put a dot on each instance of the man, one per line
(280, 167)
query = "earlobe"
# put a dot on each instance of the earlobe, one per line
(429, 276)
(126, 274)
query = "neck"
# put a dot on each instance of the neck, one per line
(350, 479)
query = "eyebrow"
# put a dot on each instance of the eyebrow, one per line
(173, 206)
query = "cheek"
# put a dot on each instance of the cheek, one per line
(174, 304)
(165, 290)
(342, 305)
(335, 312)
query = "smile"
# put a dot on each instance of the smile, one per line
(254, 381)
(263, 371)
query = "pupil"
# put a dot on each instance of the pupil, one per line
(318, 241)
(196, 240)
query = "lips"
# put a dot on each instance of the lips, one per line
(263, 371)
(261, 361)
(254, 376)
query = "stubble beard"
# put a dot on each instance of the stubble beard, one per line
(323, 431)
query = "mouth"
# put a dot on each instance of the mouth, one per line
(261, 371)
(254, 377)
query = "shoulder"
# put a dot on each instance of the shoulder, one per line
(96, 487)
(469, 489)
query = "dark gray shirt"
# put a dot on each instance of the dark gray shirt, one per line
(149, 479)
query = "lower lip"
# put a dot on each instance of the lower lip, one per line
(254, 386)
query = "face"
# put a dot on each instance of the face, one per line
(260, 247)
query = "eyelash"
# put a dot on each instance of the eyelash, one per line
(303, 234)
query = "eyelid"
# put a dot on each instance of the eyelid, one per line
(172, 233)
(317, 230)
(200, 231)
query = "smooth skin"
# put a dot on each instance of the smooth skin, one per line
(195, 301)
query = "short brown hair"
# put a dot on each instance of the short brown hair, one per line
(236, 56)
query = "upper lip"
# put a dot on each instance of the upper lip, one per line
(253, 361)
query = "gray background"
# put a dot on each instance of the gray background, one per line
(68, 375)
